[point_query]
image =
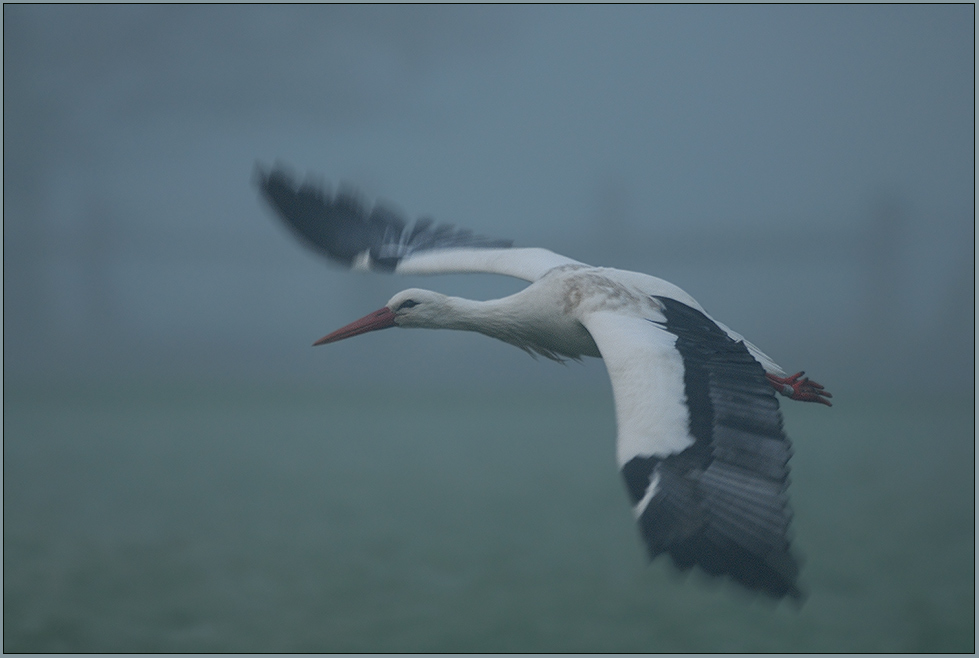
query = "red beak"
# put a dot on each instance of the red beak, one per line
(382, 318)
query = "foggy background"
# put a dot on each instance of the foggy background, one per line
(806, 173)
(182, 471)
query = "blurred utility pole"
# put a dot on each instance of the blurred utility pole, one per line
(883, 260)
(884, 344)
(97, 252)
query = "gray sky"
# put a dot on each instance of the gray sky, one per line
(805, 172)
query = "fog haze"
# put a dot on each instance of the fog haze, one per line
(184, 472)
(805, 172)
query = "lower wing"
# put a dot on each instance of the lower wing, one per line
(700, 445)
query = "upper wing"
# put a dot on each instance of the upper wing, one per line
(700, 445)
(345, 230)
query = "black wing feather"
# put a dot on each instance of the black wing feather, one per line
(341, 227)
(722, 503)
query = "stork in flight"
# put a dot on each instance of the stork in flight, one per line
(700, 442)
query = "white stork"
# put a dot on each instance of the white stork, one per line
(700, 442)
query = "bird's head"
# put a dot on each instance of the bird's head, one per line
(409, 308)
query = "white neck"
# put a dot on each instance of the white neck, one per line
(523, 320)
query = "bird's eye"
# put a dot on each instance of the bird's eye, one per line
(408, 303)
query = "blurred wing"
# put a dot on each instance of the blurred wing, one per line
(341, 227)
(700, 445)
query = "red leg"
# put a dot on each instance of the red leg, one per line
(804, 389)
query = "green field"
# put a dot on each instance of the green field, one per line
(217, 518)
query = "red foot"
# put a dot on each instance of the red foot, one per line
(805, 389)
